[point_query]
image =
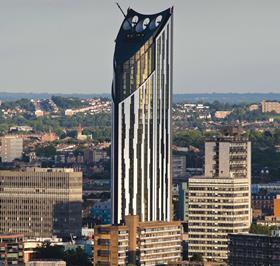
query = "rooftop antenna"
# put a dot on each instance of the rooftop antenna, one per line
(120, 9)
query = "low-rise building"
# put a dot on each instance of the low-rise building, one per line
(254, 249)
(46, 263)
(49, 137)
(273, 187)
(253, 107)
(39, 113)
(69, 112)
(222, 114)
(11, 249)
(276, 206)
(137, 243)
(269, 106)
(21, 128)
(95, 155)
(271, 221)
(264, 203)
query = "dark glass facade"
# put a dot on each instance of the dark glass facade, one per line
(253, 249)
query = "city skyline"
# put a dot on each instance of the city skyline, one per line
(103, 162)
(219, 46)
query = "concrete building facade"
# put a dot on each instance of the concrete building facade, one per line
(11, 148)
(183, 202)
(11, 249)
(46, 263)
(137, 243)
(179, 166)
(41, 202)
(220, 201)
(268, 107)
(254, 249)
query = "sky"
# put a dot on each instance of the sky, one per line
(67, 46)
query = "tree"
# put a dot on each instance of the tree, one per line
(76, 257)
(73, 257)
(190, 137)
(46, 251)
(68, 103)
(47, 151)
(197, 257)
(261, 229)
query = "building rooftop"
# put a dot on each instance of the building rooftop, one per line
(11, 235)
(51, 170)
(136, 30)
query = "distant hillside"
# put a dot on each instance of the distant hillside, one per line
(177, 98)
(13, 96)
(226, 97)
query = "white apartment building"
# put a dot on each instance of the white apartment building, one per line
(220, 202)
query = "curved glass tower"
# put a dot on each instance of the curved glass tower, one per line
(142, 105)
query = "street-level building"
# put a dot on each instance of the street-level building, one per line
(11, 249)
(137, 243)
(254, 249)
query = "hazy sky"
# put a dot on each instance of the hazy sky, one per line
(67, 45)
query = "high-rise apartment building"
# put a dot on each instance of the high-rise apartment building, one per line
(41, 202)
(137, 243)
(220, 201)
(142, 103)
(11, 148)
(228, 156)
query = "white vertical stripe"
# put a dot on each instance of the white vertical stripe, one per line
(169, 196)
(160, 130)
(135, 141)
(155, 141)
(164, 133)
(142, 154)
(148, 150)
(126, 153)
(120, 163)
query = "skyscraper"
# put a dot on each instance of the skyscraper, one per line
(142, 97)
